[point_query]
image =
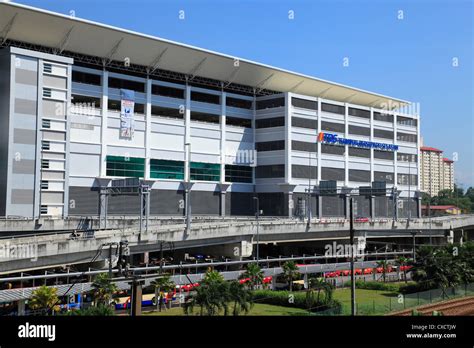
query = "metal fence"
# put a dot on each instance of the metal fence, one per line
(384, 301)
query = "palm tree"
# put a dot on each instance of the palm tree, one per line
(211, 296)
(255, 274)
(162, 284)
(45, 298)
(403, 261)
(212, 276)
(320, 284)
(290, 272)
(104, 289)
(240, 296)
(385, 265)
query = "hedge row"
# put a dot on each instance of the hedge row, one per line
(297, 299)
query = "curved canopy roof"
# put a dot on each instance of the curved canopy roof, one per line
(65, 33)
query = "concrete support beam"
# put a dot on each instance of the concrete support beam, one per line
(223, 188)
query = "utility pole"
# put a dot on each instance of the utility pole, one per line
(187, 189)
(258, 236)
(351, 241)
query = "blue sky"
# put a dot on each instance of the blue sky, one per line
(409, 58)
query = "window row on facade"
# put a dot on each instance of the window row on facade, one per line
(170, 169)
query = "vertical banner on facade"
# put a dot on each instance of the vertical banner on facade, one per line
(127, 99)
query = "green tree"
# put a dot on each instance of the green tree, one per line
(241, 298)
(162, 284)
(402, 261)
(319, 284)
(104, 289)
(212, 295)
(45, 298)
(255, 274)
(385, 266)
(290, 272)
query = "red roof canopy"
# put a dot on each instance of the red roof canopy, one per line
(427, 148)
(447, 160)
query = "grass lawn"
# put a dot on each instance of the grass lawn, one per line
(257, 309)
(369, 302)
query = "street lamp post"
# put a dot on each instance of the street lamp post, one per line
(187, 188)
(351, 241)
(258, 236)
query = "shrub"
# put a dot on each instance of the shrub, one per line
(101, 311)
(297, 299)
(372, 285)
(411, 288)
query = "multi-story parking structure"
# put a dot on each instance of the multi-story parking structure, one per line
(233, 128)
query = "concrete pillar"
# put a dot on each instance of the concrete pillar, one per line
(418, 206)
(372, 207)
(223, 188)
(320, 206)
(348, 203)
(288, 193)
(21, 307)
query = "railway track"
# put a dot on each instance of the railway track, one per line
(460, 306)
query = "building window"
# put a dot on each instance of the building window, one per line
(333, 127)
(114, 105)
(337, 174)
(205, 98)
(166, 169)
(270, 122)
(385, 155)
(304, 103)
(303, 146)
(270, 145)
(384, 176)
(270, 103)
(359, 175)
(410, 138)
(204, 117)
(238, 122)
(88, 79)
(84, 101)
(45, 145)
(205, 171)
(44, 185)
(239, 103)
(47, 68)
(304, 172)
(235, 173)
(166, 112)
(333, 149)
(403, 179)
(406, 121)
(126, 84)
(359, 113)
(335, 109)
(270, 171)
(139, 108)
(406, 157)
(358, 152)
(46, 124)
(44, 164)
(125, 166)
(380, 133)
(383, 117)
(304, 123)
(47, 92)
(359, 130)
(167, 91)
